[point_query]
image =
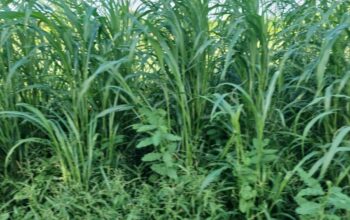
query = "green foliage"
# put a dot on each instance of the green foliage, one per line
(164, 143)
(215, 109)
(316, 203)
(111, 198)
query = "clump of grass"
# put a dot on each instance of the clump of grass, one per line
(239, 108)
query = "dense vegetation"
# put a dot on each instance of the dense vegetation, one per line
(176, 109)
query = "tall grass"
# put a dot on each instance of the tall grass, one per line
(216, 109)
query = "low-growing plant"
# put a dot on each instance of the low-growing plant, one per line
(164, 144)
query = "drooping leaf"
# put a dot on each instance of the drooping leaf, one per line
(171, 173)
(145, 142)
(160, 169)
(309, 208)
(213, 176)
(4, 216)
(171, 137)
(172, 147)
(338, 199)
(118, 108)
(157, 138)
(167, 158)
(163, 170)
(151, 157)
(145, 128)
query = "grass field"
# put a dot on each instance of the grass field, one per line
(175, 109)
